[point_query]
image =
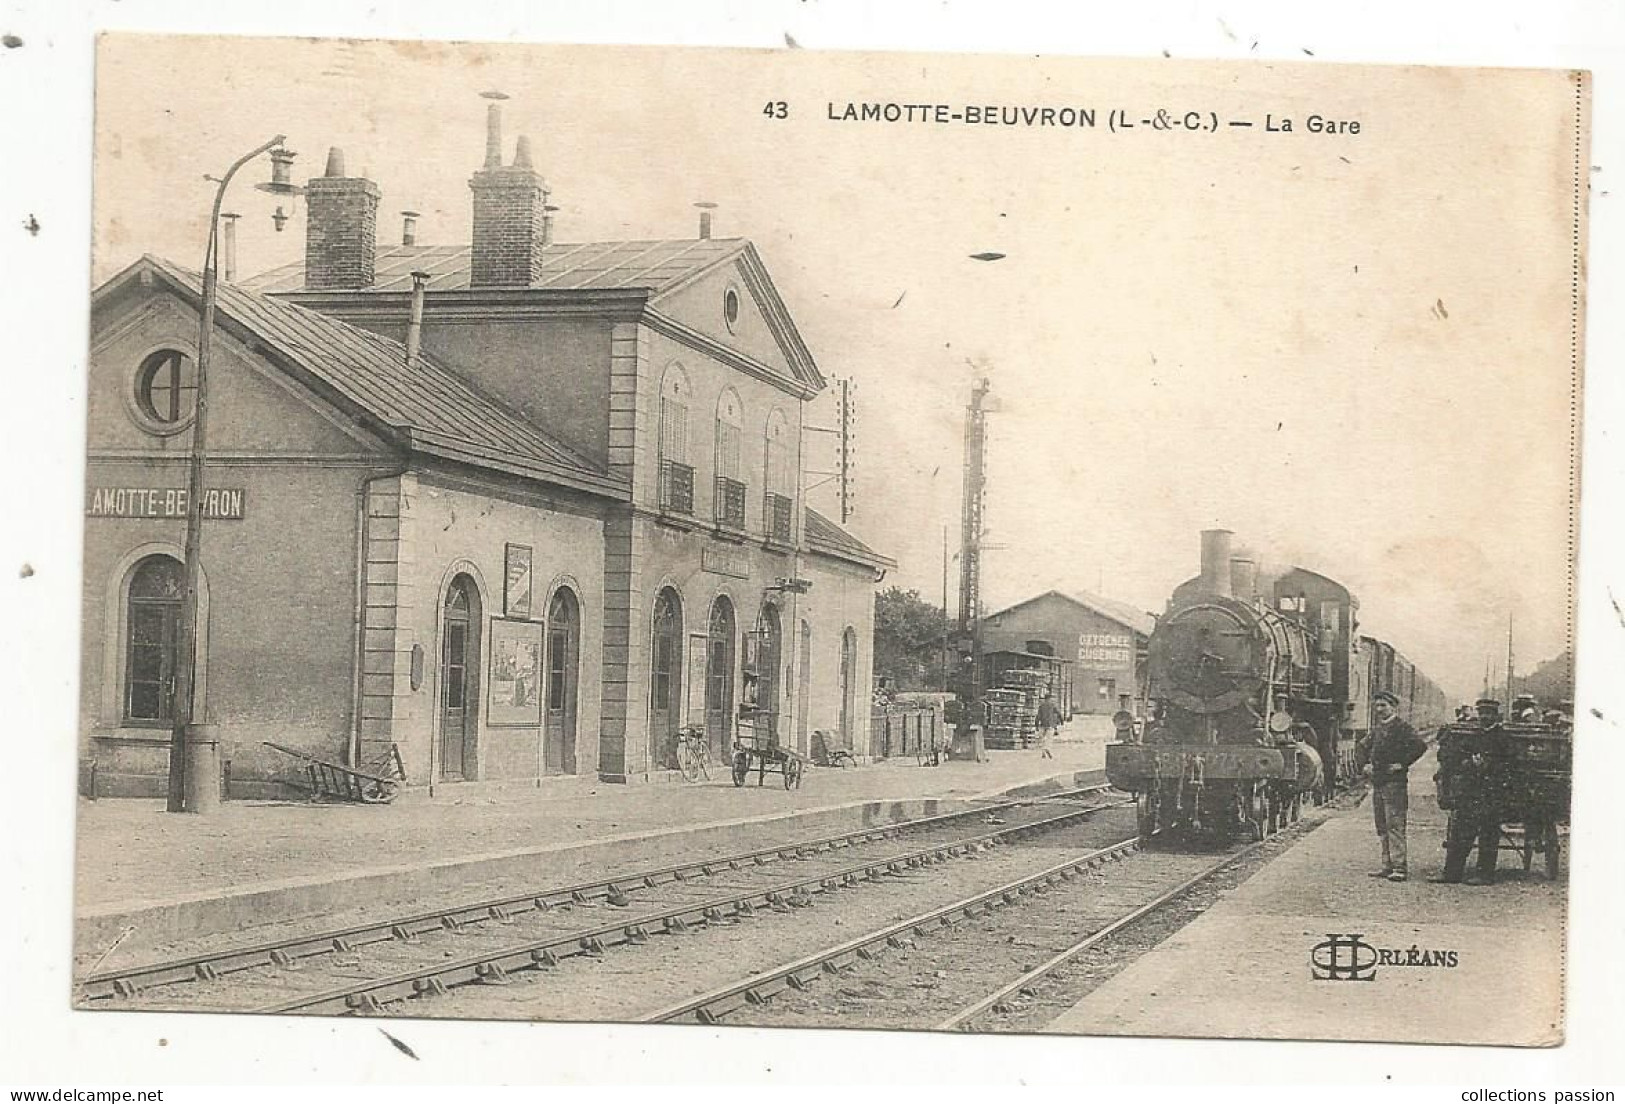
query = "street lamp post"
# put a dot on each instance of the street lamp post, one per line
(194, 772)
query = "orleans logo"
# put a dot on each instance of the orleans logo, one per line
(1341, 957)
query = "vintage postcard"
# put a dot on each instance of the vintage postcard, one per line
(890, 541)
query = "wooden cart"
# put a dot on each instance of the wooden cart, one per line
(756, 747)
(1530, 771)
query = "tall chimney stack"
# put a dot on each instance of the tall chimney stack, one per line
(414, 321)
(228, 246)
(1216, 562)
(409, 227)
(341, 232)
(511, 224)
(493, 129)
(705, 218)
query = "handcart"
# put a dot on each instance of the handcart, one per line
(1529, 772)
(756, 747)
(1533, 795)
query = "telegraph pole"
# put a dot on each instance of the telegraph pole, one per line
(968, 688)
(848, 447)
(1508, 713)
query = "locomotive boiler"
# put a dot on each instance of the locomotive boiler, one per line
(1247, 687)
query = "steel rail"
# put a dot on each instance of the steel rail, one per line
(494, 966)
(128, 982)
(1042, 970)
(756, 989)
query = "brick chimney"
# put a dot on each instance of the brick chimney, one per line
(512, 219)
(341, 234)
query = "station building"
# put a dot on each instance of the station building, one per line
(509, 510)
(1106, 642)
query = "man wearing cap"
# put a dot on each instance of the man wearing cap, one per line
(1467, 763)
(1393, 748)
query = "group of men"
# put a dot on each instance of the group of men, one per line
(1468, 762)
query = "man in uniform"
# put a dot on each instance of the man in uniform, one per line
(1394, 746)
(1467, 765)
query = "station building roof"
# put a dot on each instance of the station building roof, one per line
(1121, 612)
(823, 535)
(654, 266)
(423, 405)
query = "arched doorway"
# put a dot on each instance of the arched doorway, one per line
(849, 687)
(666, 679)
(152, 630)
(459, 680)
(563, 653)
(770, 657)
(719, 678)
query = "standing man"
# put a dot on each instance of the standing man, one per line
(1393, 748)
(1049, 718)
(1467, 770)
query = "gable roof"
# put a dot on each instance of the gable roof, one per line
(657, 268)
(1121, 612)
(424, 406)
(823, 535)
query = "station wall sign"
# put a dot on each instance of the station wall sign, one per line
(1105, 650)
(725, 561)
(219, 503)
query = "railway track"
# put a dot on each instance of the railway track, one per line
(486, 941)
(931, 970)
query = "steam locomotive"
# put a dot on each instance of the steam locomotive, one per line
(1259, 691)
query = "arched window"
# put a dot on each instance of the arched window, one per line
(460, 623)
(780, 479)
(730, 461)
(666, 678)
(152, 629)
(563, 653)
(719, 676)
(849, 686)
(676, 473)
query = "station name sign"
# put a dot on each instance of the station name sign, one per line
(219, 503)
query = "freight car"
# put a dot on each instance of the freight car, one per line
(1258, 694)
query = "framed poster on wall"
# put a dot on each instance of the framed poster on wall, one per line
(516, 673)
(516, 581)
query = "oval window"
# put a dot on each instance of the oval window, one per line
(166, 388)
(730, 308)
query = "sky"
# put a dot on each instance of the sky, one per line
(1351, 349)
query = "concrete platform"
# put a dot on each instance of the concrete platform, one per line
(1243, 969)
(174, 877)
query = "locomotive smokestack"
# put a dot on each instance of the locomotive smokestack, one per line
(1243, 578)
(1216, 562)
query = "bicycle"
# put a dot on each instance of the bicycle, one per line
(693, 753)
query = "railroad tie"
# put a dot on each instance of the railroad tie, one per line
(365, 1004)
